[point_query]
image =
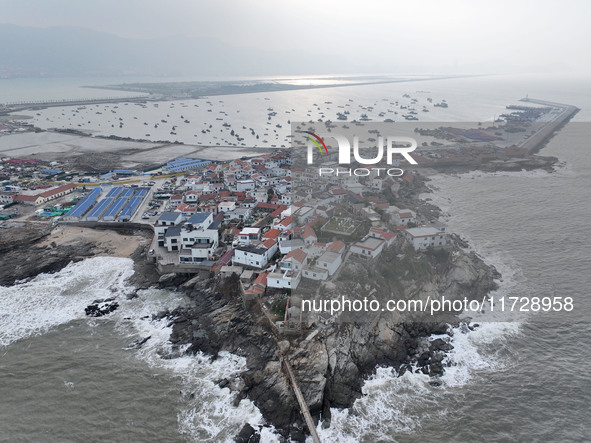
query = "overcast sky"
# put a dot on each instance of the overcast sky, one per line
(412, 35)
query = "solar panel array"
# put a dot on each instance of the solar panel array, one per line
(182, 164)
(114, 209)
(115, 191)
(99, 209)
(130, 208)
(85, 204)
(119, 200)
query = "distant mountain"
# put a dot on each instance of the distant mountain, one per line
(70, 51)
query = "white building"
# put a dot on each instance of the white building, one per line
(369, 247)
(257, 256)
(372, 216)
(315, 273)
(426, 236)
(384, 234)
(196, 240)
(286, 246)
(289, 273)
(237, 214)
(6, 198)
(245, 185)
(401, 216)
(248, 235)
(226, 206)
(191, 197)
(329, 261)
(166, 220)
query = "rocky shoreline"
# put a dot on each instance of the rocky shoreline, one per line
(28, 252)
(330, 367)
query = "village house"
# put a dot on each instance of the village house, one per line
(326, 265)
(424, 237)
(165, 221)
(248, 235)
(384, 234)
(255, 255)
(34, 200)
(196, 240)
(369, 247)
(288, 274)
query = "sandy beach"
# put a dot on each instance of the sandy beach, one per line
(105, 242)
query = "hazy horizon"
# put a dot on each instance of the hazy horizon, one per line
(232, 37)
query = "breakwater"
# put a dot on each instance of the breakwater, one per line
(536, 142)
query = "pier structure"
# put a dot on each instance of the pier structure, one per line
(303, 405)
(10, 107)
(534, 143)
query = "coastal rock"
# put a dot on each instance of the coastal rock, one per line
(101, 307)
(247, 435)
(27, 261)
(440, 345)
(139, 343)
(435, 369)
(190, 284)
(167, 280)
(424, 359)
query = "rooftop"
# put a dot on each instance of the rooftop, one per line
(250, 231)
(370, 243)
(169, 217)
(329, 257)
(297, 254)
(423, 231)
(173, 231)
(198, 218)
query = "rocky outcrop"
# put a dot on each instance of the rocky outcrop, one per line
(98, 308)
(331, 366)
(218, 321)
(28, 261)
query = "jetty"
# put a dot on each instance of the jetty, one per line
(534, 143)
(10, 107)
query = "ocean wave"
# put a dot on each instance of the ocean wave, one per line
(393, 404)
(206, 411)
(48, 300)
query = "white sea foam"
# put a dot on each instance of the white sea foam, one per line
(35, 307)
(394, 405)
(205, 411)
(398, 405)
(48, 300)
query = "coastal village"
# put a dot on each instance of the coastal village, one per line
(270, 222)
(243, 217)
(271, 232)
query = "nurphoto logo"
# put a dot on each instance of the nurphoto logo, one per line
(392, 147)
